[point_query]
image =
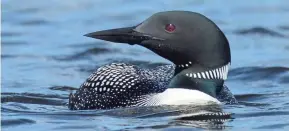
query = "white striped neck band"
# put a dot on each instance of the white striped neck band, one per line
(218, 73)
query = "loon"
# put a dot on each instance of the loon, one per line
(198, 49)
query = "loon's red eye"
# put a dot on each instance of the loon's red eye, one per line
(170, 28)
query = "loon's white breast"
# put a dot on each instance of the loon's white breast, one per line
(178, 96)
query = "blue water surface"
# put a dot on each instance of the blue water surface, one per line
(44, 54)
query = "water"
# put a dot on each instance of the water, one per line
(44, 55)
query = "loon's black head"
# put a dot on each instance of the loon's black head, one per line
(185, 38)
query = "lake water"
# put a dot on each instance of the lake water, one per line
(44, 55)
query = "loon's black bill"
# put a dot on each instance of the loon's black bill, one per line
(120, 35)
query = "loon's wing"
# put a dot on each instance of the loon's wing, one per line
(119, 85)
(126, 78)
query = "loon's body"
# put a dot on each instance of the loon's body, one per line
(200, 67)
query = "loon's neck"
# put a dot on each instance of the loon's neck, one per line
(209, 81)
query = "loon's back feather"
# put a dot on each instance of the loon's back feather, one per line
(120, 85)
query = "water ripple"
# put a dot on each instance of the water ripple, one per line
(87, 53)
(13, 43)
(259, 31)
(30, 98)
(250, 97)
(10, 34)
(284, 27)
(15, 122)
(34, 22)
(258, 73)
(273, 126)
(63, 88)
(262, 114)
